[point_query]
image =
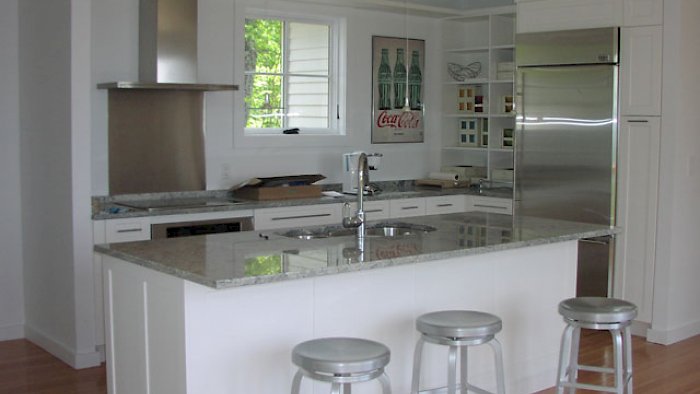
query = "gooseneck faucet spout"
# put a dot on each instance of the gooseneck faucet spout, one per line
(358, 220)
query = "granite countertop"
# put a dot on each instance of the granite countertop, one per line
(256, 257)
(113, 207)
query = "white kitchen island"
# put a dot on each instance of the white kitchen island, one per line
(221, 313)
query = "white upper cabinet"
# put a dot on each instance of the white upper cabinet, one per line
(640, 70)
(643, 12)
(550, 15)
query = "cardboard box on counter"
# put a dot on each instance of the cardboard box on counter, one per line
(277, 192)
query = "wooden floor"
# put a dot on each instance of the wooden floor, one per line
(25, 368)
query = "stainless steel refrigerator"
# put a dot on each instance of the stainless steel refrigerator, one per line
(566, 133)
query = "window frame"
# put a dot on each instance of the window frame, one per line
(336, 132)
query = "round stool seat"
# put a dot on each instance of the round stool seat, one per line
(458, 324)
(341, 355)
(597, 309)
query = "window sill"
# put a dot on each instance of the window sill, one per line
(288, 140)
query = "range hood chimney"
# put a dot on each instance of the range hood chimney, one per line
(167, 48)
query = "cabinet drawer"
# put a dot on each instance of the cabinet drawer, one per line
(491, 204)
(374, 210)
(309, 215)
(407, 207)
(444, 204)
(125, 230)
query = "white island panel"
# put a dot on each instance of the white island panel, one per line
(239, 340)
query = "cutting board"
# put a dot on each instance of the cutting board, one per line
(445, 184)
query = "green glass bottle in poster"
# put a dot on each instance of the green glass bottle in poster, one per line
(384, 81)
(399, 79)
(415, 79)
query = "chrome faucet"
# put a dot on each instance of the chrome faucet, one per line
(358, 220)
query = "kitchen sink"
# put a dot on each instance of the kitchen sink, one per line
(374, 230)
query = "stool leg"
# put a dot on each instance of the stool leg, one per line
(347, 388)
(464, 368)
(296, 382)
(415, 384)
(628, 358)
(386, 385)
(336, 388)
(498, 358)
(617, 351)
(564, 352)
(573, 358)
(452, 370)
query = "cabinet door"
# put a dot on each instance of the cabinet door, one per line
(548, 15)
(298, 216)
(407, 207)
(643, 12)
(444, 204)
(640, 70)
(637, 194)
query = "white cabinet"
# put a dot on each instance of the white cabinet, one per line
(637, 193)
(407, 207)
(640, 70)
(478, 115)
(643, 12)
(549, 15)
(489, 204)
(298, 216)
(444, 204)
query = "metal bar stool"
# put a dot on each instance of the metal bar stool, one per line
(458, 330)
(341, 362)
(596, 313)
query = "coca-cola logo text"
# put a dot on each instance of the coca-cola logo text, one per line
(401, 120)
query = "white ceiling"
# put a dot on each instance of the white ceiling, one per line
(462, 4)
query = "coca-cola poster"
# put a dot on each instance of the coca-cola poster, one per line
(397, 89)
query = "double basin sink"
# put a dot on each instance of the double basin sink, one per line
(392, 229)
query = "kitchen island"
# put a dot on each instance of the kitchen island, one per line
(221, 313)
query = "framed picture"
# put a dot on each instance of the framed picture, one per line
(397, 89)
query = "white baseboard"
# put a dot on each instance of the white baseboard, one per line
(640, 328)
(61, 351)
(10, 332)
(667, 337)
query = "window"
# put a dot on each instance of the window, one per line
(291, 76)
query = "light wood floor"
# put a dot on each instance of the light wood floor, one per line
(25, 368)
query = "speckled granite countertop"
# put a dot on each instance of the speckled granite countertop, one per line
(112, 207)
(255, 257)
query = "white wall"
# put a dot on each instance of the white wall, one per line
(11, 289)
(55, 184)
(676, 313)
(115, 47)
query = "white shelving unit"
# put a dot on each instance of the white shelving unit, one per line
(486, 39)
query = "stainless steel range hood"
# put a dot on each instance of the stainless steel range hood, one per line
(167, 48)
(156, 125)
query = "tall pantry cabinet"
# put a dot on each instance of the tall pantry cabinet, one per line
(638, 153)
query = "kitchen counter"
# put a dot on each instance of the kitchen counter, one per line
(125, 206)
(250, 258)
(221, 313)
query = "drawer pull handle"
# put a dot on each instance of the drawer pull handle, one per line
(637, 121)
(318, 215)
(373, 210)
(411, 207)
(130, 230)
(444, 205)
(490, 206)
